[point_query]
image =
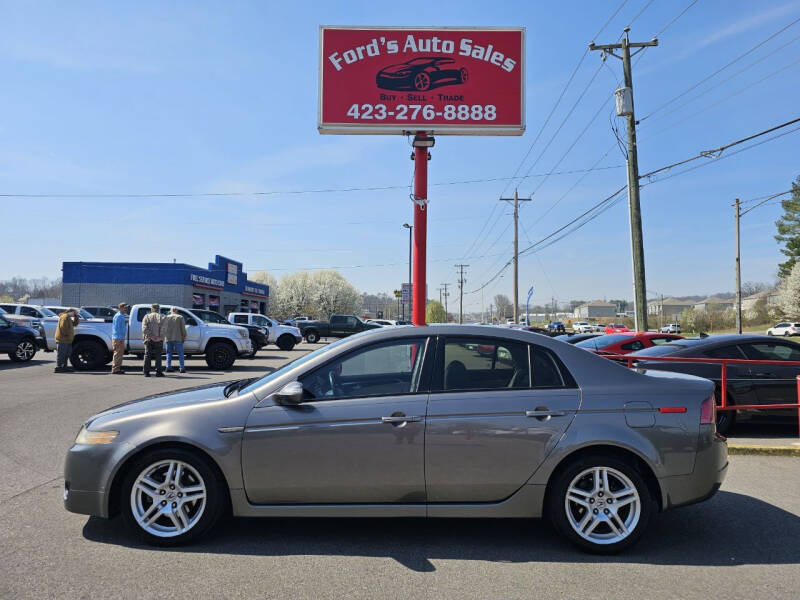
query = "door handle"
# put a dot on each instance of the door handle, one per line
(545, 414)
(399, 419)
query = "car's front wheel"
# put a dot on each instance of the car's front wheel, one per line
(24, 351)
(312, 336)
(171, 496)
(285, 342)
(601, 504)
(220, 355)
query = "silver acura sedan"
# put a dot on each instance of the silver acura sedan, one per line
(438, 421)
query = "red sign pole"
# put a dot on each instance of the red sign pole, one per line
(420, 229)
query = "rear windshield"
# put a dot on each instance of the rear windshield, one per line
(660, 350)
(602, 341)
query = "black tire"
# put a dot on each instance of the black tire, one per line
(726, 419)
(463, 75)
(220, 355)
(215, 501)
(312, 336)
(557, 506)
(786, 334)
(25, 350)
(285, 342)
(769, 332)
(88, 355)
(422, 81)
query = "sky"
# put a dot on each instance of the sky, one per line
(197, 97)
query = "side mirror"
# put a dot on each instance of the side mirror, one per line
(290, 395)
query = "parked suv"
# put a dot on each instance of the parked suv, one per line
(18, 341)
(582, 327)
(784, 328)
(258, 335)
(284, 337)
(671, 328)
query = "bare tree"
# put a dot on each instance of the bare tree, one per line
(503, 304)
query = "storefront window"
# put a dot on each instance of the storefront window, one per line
(213, 303)
(198, 301)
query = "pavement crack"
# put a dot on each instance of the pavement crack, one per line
(30, 489)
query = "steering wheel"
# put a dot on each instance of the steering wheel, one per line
(333, 379)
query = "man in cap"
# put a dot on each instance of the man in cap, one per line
(153, 337)
(119, 332)
(65, 335)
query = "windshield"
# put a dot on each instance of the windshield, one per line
(85, 314)
(303, 359)
(660, 350)
(209, 316)
(260, 321)
(47, 312)
(603, 341)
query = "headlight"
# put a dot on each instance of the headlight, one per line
(95, 437)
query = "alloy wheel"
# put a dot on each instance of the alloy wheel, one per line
(602, 505)
(25, 350)
(168, 498)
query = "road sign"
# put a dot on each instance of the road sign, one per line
(406, 293)
(446, 80)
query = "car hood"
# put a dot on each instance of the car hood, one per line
(201, 394)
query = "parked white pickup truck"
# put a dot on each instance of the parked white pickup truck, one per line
(283, 336)
(221, 344)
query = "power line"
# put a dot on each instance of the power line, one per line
(764, 201)
(715, 153)
(725, 66)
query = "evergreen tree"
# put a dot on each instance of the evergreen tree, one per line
(789, 230)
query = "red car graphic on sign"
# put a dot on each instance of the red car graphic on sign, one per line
(421, 74)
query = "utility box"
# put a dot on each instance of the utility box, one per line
(624, 98)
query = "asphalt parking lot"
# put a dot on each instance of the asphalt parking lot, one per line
(741, 544)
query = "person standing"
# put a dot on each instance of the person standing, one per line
(65, 334)
(175, 335)
(119, 333)
(153, 337)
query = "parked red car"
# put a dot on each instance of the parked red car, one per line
(625, 342)
(616, 328)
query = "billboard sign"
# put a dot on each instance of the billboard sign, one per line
(447, 80)
(405, 291)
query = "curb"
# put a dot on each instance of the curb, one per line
(763, 450)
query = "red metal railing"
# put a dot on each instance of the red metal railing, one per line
(722, 404)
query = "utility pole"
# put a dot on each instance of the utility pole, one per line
(516, 200)
(624, 97)
(446, 294)
(461, 282)
(738, 213)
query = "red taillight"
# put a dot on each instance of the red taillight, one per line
(708, 411)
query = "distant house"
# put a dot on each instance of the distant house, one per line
(714, 304)
(595, 309)
(669, 308)
(749, 302)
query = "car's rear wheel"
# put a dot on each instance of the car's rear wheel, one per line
(726, 419)
(24, 351)
(285, 342)
(88, 354)
(171, 496)
(422, 81)
(601, 504)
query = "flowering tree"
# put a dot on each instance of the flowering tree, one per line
(789, 294)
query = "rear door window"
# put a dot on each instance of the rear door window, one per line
(484, 364)
(240, 319)
(633, 346)
(547, 370)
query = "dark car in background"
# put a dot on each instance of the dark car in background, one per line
(421, 74)
(17, 341)
(574, 338)
(746, 384)
(339, 326)
(258, 335)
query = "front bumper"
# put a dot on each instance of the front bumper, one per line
(88, 474)
(710, 468)
(244, 346)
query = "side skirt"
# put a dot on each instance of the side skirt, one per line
(525, 503)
